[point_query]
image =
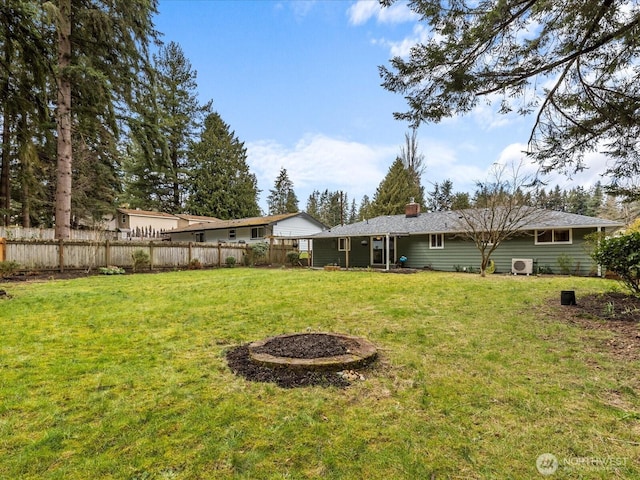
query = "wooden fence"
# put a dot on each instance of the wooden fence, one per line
(61, 255)
(23, 233)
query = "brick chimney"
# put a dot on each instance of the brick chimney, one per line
(412, 209)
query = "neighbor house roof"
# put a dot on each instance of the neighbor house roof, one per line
(450, 222)
(197, 218)
(145, 213)
(243, 222)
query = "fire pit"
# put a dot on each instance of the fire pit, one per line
(313, 351)
(303, 359)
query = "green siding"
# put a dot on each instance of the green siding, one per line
(463, 253)
(325, 252)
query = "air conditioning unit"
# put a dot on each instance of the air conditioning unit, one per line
(522, 265)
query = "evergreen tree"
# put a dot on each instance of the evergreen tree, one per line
(313, 205)
(24, 56)
(395, 191)
(219, 177)
(365, 211)
(282, 198)
(330, 208)
(167, 120)
(441, 197)
(353, 212)
(100, 48)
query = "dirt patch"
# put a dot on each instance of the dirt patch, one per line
(617, 313)
(240, 364)
(313, 345)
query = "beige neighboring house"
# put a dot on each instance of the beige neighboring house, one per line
(135, 223)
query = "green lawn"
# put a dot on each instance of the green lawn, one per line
(125, 377)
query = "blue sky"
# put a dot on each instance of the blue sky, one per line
(298, 82)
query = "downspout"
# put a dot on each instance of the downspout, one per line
(599, 266)
(387, 252)
(346, 252)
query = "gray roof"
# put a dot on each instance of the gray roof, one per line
(450, 222)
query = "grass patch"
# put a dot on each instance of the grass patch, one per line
(125, 377)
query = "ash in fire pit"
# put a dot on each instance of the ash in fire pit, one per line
(302, 359)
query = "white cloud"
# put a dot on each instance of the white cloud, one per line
(402, 48)
(363, 10)
(318, 162)
(595, 164)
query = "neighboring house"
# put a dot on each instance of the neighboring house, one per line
(277, 228)
(143, 223)
(184, 219)
(136, 223)
(435, 240)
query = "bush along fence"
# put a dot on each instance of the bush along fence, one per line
(61, 255)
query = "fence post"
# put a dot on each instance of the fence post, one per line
(61, 254)
(219, 255)
(107, 253)
(3, 249)
(150, 255)
(190, 253)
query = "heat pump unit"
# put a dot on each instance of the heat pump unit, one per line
(522, 265)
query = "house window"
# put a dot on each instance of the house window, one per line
(436, 240)
(257, 232)
(344, 244)
(554, 235)
(200, 237)
(124, 219)
(232, 234)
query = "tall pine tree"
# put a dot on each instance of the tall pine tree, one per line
(282, 198)
(395, 191)
(101, 46)
(220, 181)
(168, 119)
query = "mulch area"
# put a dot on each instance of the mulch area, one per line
(617, 313)
(240, 364)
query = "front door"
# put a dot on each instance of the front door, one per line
(379, 250)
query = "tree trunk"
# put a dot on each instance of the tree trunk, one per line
(63, 120)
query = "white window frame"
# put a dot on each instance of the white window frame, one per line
(232, 234)
(553, 236)
(439, 245)
(257, 230)
(344, 244)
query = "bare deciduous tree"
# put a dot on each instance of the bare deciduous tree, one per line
(501, 210)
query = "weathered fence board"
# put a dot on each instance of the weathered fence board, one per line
(78, 254)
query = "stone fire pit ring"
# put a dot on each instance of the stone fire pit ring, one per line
(359, 352)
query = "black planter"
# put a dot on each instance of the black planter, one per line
(568, 297)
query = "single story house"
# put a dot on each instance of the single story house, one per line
(136, 222)
(289, 227)
(436, 240)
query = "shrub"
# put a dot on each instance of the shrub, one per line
(140, 259)
(8, 268)
(566, 263)
(293, 257)
(258, 252)
(111, 270)
(621, 255)
(230, 261)
(195, 264)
